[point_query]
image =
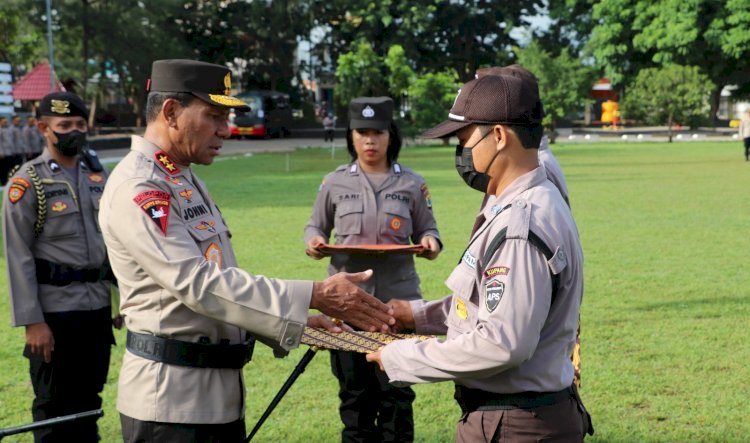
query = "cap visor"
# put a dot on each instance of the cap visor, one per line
(445, 129)
(368, 124)
(223, 101)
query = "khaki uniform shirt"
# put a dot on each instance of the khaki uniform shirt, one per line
(744, 129)
(171, 253)
(502, 334)
(71, 237)
(396, 212)
(553, 169)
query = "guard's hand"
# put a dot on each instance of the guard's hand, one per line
(375, 358)
(40, 340)
(118, 321)
(402, 313)
(329, 324)
(431, 247)
(339, 297)
(312, 247)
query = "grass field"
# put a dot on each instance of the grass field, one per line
(666, 313)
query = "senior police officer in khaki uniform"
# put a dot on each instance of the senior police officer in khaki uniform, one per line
(516, 293)
(58, 276)
(374, 200)
(187, 306)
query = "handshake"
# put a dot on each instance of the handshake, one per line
(339, 297)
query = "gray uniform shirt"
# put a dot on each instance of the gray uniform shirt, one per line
(19, 143)
(503, 335)
(71, 237)
(397, 211)
(171, 253)
(34, 140)
(7, 147)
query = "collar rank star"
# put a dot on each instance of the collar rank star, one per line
(155, 204)
(167, 162)
(493, 294)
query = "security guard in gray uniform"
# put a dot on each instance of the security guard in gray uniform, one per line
(373, 200)
(516, 291)
(187, 305)
(58, 277)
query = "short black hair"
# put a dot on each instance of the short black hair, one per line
(529, 136)
(394, 143)
(156, 99)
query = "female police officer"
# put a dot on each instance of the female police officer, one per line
(373, 200)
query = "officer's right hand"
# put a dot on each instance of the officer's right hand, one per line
(40, 340)
(340, 298)
(313, 245)
(402, 313)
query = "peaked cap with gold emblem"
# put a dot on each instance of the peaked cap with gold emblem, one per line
(209, 82)
(62, 104)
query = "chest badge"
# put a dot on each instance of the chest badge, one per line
(96, 178)
(58, 206)
(213, 254)
(461, 310)
(187, 194)
(206, 226)
(493, 294)
(174, 180)
(396, 223)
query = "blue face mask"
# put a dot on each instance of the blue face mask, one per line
(465, 167)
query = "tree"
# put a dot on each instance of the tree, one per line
(359, 73)
(668, 94)
(634, 34)
(564, 81)
(20, 44)
(432, 95)
(435, 34)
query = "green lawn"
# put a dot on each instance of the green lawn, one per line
(665, 315)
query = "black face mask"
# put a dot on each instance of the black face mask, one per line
(465, 167)
(71, 143)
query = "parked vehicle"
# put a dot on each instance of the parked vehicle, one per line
(270, 115)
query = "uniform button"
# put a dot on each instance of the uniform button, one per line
(289, 341)
(520, 203)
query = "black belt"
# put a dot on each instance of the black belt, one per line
(55, 274)
(195, 355)
(477, 400)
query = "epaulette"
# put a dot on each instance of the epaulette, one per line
(13, 171)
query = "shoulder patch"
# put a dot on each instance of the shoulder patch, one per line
(155, 204)
(17, 190)
(426, 194)
(496, 271)
(493, 294)
(166, 163)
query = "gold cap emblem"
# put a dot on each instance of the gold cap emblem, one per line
(228, 84)
(60, 106)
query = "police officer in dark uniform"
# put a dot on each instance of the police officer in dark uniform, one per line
(58, 275)
(374, 200)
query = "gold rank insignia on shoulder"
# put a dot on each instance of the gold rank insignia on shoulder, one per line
(355, 341)
(60, 106)
(166, 162)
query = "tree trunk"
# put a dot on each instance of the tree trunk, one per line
(669, 128)
(715, 101)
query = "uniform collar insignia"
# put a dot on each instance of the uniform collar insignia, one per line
(166, 163)
(353, 168)
(396, 168)
(54, 166)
